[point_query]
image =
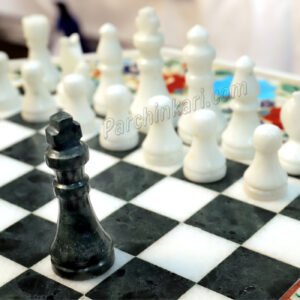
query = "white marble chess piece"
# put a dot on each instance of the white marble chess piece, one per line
(111, 65)
(237, 138)
(289, 153)
(36, 30)
(10, 99)
(265, 179)
(162, 146)
(70, 53)
(38, 104)
(204, 162)
(77, 104)
(118, 132)
(199, 56)
(148, 40)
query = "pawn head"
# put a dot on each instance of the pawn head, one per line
(108, 30)
(267, 138)
(197, 35)
(118, 97)
(204, 123)
(74, 85)
(36, 28)
(245, 64)
(32, 72)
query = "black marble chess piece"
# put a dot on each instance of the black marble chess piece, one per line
(81, 248)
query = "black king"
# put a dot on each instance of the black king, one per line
(81, 247)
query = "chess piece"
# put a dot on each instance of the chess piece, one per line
(118, 132)
(10, 100)
(111, 66)
(204, 161)
(162, 146)
(76, 104)
(199, 56)
(70, 53)
(81, 248)
(83, 69)
(265, 179)
(148, 40)
(38, 104)
(237, 141)
(289, 153)
(36, 30)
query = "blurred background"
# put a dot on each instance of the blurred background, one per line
(266, 30)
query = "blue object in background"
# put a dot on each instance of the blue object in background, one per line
(68, 24)
(266, 89)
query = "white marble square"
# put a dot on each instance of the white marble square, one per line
(10, 214)
(44, 267)
(103, 205)
(11, 169)
(9, 270)
(97, 163)
(279, 239)
(12, 133)
(198, 292)
(49, 211)
(174, 198)
(188, 251)
(137, 158)
(236, 191)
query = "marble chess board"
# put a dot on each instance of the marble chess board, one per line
(174, 239)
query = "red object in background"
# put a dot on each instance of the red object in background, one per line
(174, 82)
(274, 117)
(291, 291)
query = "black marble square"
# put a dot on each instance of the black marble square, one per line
(249, 275)
(29, 191)
(141, 280)
(235, 171)
(293, 209)
(93, 143)
(32, 285)
(124, 180)
(231, 219)
(19, 120)
(133, 229)
(30, 150)
(27, 241)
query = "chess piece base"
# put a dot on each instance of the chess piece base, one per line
(205, 177)
(88, 272)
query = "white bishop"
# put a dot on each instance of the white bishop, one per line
(237, 141)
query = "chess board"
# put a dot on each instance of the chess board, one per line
(174, 239)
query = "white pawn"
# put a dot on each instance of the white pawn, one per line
(237, 138)
(36, 30)
(265, 179)
(70, 53)
(10, 100)
(111, 65)
(83, 69)
(118, 132)
(74, 89)
(162, 146)
(289, 153)
(38, 104)
(199, 56)
(148, 40)
(204, 161)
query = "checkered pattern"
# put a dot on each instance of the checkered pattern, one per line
(173, 238)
